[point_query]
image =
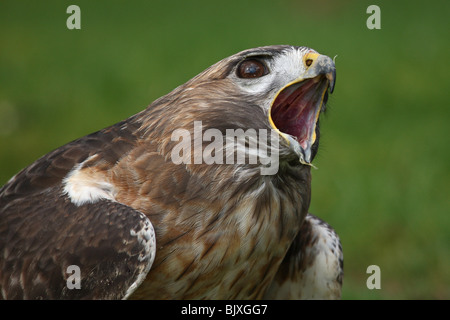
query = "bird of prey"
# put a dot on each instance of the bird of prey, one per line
(137, 211)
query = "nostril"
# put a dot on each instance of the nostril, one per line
(308, 62)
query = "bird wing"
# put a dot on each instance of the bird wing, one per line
(313, 266)
(111, 244)
(42, 232)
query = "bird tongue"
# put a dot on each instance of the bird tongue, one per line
(296, 109)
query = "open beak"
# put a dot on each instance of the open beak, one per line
(295, 111)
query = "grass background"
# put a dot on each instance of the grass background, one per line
(384, 166)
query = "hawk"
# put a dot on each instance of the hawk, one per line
(143, 213)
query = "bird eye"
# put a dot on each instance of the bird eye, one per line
(251, 69)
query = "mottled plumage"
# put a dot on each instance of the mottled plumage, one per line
(139, 225)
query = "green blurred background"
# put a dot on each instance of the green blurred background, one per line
(384, 166)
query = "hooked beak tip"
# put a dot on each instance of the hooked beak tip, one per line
(331, 76)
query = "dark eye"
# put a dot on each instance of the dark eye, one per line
(251, 68)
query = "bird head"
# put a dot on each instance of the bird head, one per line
(292, 84)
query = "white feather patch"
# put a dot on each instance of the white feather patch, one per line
(319, 281)
(84, 186)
